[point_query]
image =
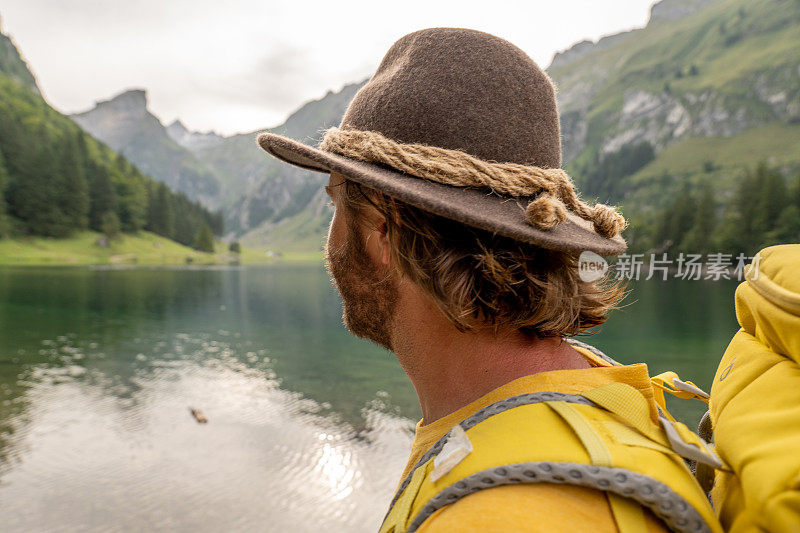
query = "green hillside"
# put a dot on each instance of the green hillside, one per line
(13, 66)
(736, 59)
(711, 95)
(82, 249)
(57, 181)
(302, 232)
(143, 249)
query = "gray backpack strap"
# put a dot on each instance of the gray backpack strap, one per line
(665, 503)
(483, 414)
(594, 350)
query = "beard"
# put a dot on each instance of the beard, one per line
(369, 296)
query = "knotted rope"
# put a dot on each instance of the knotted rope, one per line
(555, 190)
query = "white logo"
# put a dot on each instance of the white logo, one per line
(591, 266)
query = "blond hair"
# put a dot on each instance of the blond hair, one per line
(479, 278)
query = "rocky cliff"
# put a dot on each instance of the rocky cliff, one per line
(128, 127)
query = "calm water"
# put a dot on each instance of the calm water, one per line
(308, 426)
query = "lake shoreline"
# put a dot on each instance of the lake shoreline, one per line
(141, 249)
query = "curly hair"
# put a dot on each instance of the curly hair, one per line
(476, 277)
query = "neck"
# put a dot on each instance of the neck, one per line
(450, 369)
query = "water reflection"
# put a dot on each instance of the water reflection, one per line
(94, 449)
(100, 367)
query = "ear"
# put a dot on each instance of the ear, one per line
(378, 235)
(384, 246)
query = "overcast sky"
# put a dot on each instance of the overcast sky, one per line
(241, 65)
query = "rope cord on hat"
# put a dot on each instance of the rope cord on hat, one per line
(556, 192)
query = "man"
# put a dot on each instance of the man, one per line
(455, 245)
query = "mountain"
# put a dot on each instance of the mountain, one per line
(703, 75)
(191, 140)
(670, 121)
(57, 181)
(283, 205)
(258, 194)
(13, 66)
(269, 203)
(129, 128)
(706, 90)
(682, 110)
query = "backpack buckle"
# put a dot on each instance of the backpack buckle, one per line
(694, 448)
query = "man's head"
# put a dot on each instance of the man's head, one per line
(476, 279)
(465, 125)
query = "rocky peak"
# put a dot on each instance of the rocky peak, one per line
(667, 10)
(130, 102)
(193, 140)
(112, 120)
(177, 129)
(573, 53)
(579, 50)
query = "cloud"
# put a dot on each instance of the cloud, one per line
(275, 80)
(242, 65)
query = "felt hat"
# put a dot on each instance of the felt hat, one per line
(469, 95)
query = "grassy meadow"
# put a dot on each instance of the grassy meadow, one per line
(143, 248)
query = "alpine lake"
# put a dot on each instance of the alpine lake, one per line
(307, 427)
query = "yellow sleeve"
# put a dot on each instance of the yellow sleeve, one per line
(782, 513)
(530, 508)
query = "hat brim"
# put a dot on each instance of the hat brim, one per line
(481, 209)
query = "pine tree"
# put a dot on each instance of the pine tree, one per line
(698, 238)
(739, 234)
(188, 218)
(122, 164)
(215, 220)
(160, 211)
(70, 184)
(109, 225)
(204, 241)
(794, 192)
(35, 195)
(133, 198)
(4, 220)
(102, 195)
(770, 200)
(787, 229)
(676, 220)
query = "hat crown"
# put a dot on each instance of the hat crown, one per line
(464, 90)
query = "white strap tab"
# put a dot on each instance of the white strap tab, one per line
(688, 387)
(689, 450)
(457, 447)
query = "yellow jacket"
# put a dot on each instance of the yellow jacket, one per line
(553, 432)
(755, 400)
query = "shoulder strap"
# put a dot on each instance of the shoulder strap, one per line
(480, 416)
(623, 486)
